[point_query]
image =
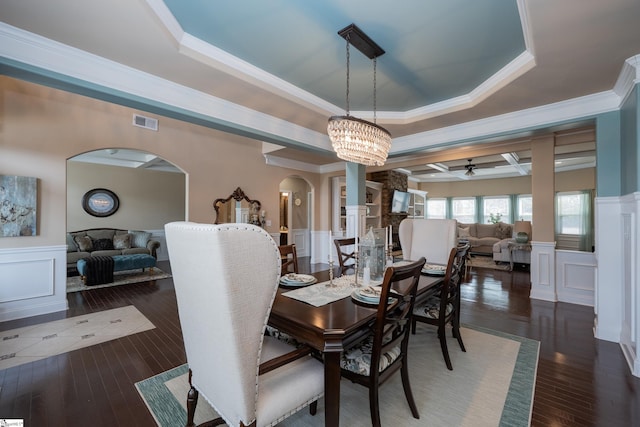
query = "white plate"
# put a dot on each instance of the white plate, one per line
(434, 270)
(297, 278)
(366, 294)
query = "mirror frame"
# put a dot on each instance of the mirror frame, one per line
(238, 195)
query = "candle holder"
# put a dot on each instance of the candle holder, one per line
(355, 265)
(389, 256)
(330, 284)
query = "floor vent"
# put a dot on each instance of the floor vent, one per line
(145, 122)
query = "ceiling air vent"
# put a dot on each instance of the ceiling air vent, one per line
(145, 122)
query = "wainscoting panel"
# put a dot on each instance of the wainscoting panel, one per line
(33, 281)
(543, 271)
(34, 277)
(301, 240)
(575, 277)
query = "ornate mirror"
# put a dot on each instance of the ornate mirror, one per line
(238, 207)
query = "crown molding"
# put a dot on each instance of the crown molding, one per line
(537, 117)
(272, 160)
(77, 68)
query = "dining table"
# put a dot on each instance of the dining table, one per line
(330, 329)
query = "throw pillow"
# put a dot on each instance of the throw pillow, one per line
(463, 232)
(503, 231)
(103, 245)
(139, 239)
(122, 241)
(71, 244)
(84, 243)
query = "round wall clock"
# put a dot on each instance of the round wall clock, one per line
(100, 202)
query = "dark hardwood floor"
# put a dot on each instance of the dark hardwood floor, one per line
(580, 381)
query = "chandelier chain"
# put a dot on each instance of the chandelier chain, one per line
(375, 63)
(348, 60)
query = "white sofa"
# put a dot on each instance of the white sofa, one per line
(501, 253)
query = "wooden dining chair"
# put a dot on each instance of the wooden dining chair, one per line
(382, 352)
(344, 254)
(444, 307)
(225, 279)
(289, 259)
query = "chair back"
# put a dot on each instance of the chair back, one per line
(289, 258)
(225, 279)
(344, 254)
(429, 238)
(450, 291)
(392, 324)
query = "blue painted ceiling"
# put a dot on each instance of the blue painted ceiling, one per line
(435, 49)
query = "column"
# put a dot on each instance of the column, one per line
(543, 263)
(356, 208)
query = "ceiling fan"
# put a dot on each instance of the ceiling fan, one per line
(470, 167)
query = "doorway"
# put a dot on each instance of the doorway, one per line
(296, 207)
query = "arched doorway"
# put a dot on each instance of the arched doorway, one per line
(151, 191)
(296, 214)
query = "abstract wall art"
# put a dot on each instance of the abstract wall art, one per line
(18, 203)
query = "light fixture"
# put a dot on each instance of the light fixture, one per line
(470, 168)
(353, 139)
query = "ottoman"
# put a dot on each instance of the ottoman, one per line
(99, 270)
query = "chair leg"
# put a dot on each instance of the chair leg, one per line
(374, 407)
(456, 332)
(313, 408)
(443, 345)
(192, 401)
(406, 385)
(413, 327)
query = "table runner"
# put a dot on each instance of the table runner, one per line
(320, 294)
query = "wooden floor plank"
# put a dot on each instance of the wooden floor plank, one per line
(580, 381)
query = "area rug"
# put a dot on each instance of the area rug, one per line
(488, 262)
(75, 284)
(31, 343)
(492, 384)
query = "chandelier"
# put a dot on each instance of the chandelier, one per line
(357, 140)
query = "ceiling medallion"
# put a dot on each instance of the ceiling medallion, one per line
(357, 140)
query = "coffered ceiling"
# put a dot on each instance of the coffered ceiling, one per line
(455, 73)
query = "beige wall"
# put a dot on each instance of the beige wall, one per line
(148, 199)
(582, 179)
(40, 128)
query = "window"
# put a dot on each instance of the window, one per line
(524, 209)
(463, 209)
(496, 207)
(570, 213)
(574, 228)
(436, 208)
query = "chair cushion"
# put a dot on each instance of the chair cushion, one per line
(358, 358)
(431, 308)
(270, 331)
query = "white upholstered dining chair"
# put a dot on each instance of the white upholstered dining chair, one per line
(225, 278)
(429, 238)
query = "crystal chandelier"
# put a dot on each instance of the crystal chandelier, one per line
(357, 140)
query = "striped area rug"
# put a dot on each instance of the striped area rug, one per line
(492, 384)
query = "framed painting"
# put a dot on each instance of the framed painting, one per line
(18, 205)
(100, 202)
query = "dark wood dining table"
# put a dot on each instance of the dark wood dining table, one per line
(330, 329)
